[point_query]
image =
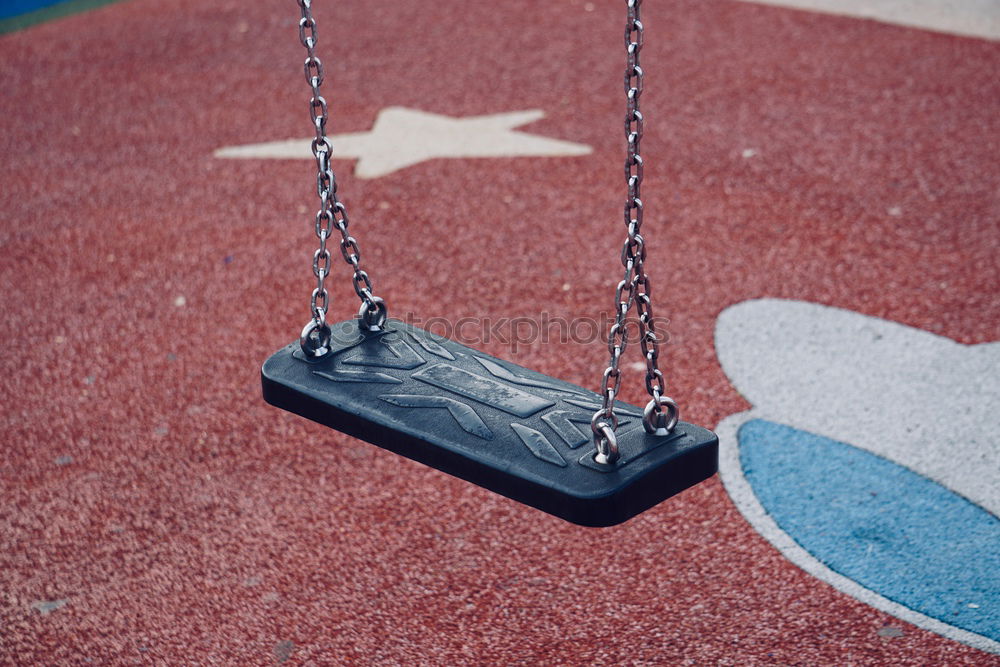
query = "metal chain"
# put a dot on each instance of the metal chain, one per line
(315, 338)
(660, 415)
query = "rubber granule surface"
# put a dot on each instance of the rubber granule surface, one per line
(155, 510)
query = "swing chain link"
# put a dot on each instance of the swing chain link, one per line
(316, 336)
(661, 413)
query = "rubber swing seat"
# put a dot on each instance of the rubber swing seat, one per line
(509, 429)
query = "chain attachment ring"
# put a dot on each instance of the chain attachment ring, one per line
(658, 421)
(373, 313)
(315, 340)
(607, 444)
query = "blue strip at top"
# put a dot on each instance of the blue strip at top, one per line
(17, 7)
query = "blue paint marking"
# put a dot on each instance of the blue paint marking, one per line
(10, 8)
(893, 531)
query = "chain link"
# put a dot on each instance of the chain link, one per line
(634, 288)
(332, 213)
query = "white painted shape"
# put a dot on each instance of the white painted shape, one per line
(915, 398)
(404, 137)
(746, 501)
(972, 18)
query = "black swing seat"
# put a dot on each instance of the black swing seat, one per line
(509, 429)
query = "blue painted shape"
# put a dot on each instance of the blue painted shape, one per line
(893, 531)
(10, 8)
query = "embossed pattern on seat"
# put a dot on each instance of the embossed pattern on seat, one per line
(507, 428)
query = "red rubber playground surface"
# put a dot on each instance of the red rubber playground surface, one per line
(154, 510)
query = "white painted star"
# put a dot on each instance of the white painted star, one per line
(404, 137)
